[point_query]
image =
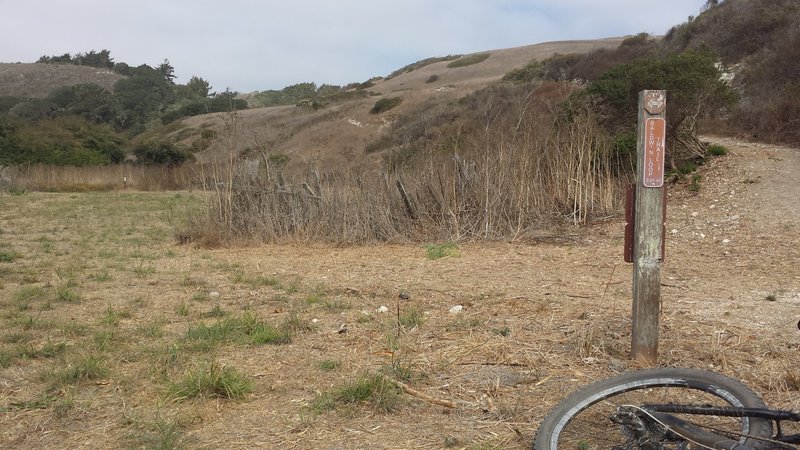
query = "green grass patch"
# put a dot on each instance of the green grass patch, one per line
(469, 60)
(113, 316)
(67, 295)
(87, 368)
(182, 309)
(329, 365)
(27, 294)
(211, 380)
(256, 281)
(101, 276)
(47, 350)
(263, 333)
(103, 340)
(72, 329)
(411, 317)
(143, 269)
(436, 251)
(6, 358)
(694, 186)
(8, 257)
(160, 433)
(244, 329)
(372, 390)
(716, 150)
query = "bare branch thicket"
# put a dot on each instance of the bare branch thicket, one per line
(502, 184)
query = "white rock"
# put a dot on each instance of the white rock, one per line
(456, 309)
(674, 231)
(314, 320)
(694, 214)
(702, 236)
(213, 294)
(383, 309)
(725, 241)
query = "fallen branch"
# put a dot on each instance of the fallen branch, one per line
(413, 392)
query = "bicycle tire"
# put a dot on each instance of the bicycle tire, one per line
(678, 381)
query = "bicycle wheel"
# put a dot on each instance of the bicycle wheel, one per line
(586, 419)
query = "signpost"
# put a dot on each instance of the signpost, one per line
(648, 206)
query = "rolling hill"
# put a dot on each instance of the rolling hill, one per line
(336, 137)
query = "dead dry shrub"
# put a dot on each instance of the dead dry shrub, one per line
(42, 177)
(502, 184)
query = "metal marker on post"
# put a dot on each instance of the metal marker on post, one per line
(649, 208)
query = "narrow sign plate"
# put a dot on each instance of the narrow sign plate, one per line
(654, 147)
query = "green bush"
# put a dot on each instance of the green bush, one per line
(160, 154)
(68, 140)
(716, 150)
(385, 104)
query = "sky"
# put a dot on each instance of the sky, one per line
(254, 45)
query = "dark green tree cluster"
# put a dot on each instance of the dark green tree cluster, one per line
(694, 90)
(67, 140)
(307, 94)
(192, 102)
(85, 124)
(93, 58)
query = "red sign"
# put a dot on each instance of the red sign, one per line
(654, 147)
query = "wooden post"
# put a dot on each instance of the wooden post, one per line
(648, 225)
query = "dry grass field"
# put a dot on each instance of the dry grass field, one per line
(112, 335)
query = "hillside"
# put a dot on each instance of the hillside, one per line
(38, 80)
(337, 136)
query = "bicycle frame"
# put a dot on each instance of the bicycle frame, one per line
(775, 415)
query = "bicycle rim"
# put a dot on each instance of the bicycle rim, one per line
(583, 420)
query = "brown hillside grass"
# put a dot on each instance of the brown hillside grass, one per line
(335, 138)
(38, 80)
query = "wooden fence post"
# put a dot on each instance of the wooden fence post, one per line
(648, 225)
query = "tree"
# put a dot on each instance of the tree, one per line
(160, 154)
(34, 109)
(227, 101)
(167, 71)
(69, 140)
(694, 89)
(141, 97)
(101, 59)
(123, 69)
(88, 100)
(199, 86)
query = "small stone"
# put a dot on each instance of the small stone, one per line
(213, 294)
(702, 236)
(673, 231)
(314, 320)
(456, 309)
(383, 309)
(725, 241)
(694, 214)
(342, 329)
(404, 295)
